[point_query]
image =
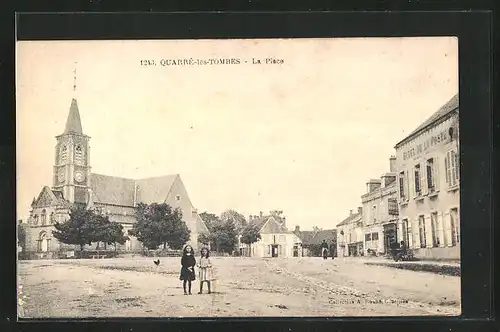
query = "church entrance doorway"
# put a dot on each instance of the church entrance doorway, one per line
(43, 242)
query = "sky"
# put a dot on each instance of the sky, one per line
(303, 136)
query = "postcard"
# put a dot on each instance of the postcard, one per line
(238, 178)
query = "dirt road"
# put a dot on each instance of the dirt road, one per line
(244, 287)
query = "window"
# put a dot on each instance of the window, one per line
(421, 228)
(451, 164)
(44, 217)
(274, 238)
(455, 227)
(430, 175)
(418, 189)
(402, 193)
(35, 219)
(269, 250)
(368, 237)
(374, 213)
(52, 218)
(374, 236)
(177, 197)
(392, 207)
(434, 230)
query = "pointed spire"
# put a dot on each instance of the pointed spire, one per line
(73, 123)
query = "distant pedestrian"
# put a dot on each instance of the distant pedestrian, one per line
(205, 270)
(324, 249)
(332, 249)
(187, 270)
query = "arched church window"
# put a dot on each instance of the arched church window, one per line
(52, 217)
(79, 154)
(63, 153)
(44, 217)
(35, 219)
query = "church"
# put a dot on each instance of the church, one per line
(115, 197)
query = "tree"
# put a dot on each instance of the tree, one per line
(21, 236)
(179, 233)
(225, 236)
(276, 214)
(77, 230)
(159, 224)
(204, 238)
(238, 219)
(250, 235)
(223, 231)
(210, 219)
(108, 232)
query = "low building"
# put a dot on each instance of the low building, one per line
(427, 162)
(350, 235)
(312, 240)
(381, 212)
(275, 241)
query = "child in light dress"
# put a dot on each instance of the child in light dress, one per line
(205, 270)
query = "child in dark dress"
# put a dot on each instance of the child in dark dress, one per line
(187, 270)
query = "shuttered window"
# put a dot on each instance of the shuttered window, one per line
(421, 227)
(402, 185)
(451, 164)
(418, 189)
(430, 174)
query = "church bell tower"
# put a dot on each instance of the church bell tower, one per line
(72, 162)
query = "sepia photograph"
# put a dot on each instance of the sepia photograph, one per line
(314, 177)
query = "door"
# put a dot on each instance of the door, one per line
(45, 246)
(274, 250)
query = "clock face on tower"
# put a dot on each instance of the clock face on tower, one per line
(61, 176)
(79, 176)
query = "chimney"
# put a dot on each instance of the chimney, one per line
(372, 185)
(360, 210)
(249, 218)
(297, 228)
(283, 222)
(392, 164)
(350, 213)
(261, 214)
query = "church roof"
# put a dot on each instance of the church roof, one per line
(126, 192)
(73, 123)
(49, 197)
(112, 190)
(155, 189)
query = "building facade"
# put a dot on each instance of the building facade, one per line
(312, 240)
(350, 235)
(380, 215)
(116, 197)
(427, 163)
(275, 241)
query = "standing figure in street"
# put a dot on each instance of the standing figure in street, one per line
(332, 249)
(187, 270)
(324, 249)
(205, 270)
